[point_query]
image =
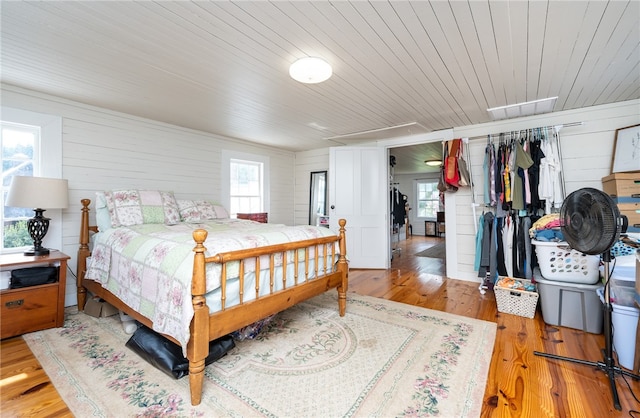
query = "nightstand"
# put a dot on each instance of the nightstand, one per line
(32, 308)
(258, 217)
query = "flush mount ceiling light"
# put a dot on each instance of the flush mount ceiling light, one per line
(534, 107)
(310, 70)
(433, 163)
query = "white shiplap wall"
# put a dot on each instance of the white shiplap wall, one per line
(104, 150)
(305, 163)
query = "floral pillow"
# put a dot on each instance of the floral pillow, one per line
(195, 211)
(136, 207)
(170, 206)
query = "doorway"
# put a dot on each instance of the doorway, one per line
(423, 237)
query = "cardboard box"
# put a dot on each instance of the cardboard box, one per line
(622, 184)
(99, 308)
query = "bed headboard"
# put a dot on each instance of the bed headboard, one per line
(83, 250)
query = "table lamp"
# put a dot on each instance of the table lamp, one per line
(38, 193)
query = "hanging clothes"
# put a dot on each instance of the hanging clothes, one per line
(486, 171)
(501, 267)
(534, 172)
(490, 171)
(550, 188)
(507, 237)
(503, 246)
(558, 186)
(528, 253)
(522, 175)
(398, 207)
(522, 162)
(527, 185)
(486, 238)
(479, 234)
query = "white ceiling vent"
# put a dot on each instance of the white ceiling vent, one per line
(517, 110)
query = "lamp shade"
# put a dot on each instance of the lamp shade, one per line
(38, 192)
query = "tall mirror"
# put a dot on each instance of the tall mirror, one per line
(318, 199)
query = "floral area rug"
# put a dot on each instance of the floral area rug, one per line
(381, 359)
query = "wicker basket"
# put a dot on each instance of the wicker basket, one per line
(561, 263)
(516, 302)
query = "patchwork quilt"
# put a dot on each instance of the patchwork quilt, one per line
(149, 266)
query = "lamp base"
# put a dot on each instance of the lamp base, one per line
(37, 251)
(37, 227)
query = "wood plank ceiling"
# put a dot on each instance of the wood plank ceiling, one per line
(222, 67)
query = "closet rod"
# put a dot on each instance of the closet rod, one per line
(562, 125)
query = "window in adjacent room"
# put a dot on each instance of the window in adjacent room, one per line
(19, 152)
(428, 198)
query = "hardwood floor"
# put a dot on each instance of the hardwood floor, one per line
(519, 384)
(25, 389)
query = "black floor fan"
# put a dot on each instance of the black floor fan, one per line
(591, 223)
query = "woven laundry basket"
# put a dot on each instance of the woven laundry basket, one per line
(516, 301)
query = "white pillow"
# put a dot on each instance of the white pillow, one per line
(221, 212)
(103, 219)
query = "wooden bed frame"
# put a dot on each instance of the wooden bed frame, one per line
(207, 326)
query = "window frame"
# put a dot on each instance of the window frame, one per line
(227, 157)
(418, 200)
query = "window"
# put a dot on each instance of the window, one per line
(428, 198)
(246, 186)
(30, 145)
(244, 182)
(19, 152)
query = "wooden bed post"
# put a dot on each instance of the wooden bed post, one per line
(198, 346)
(83, 253)
(343, 266)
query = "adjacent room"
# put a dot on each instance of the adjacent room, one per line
(320, 208)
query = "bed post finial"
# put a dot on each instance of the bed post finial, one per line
(343, 266)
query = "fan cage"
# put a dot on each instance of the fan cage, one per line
(590, 221)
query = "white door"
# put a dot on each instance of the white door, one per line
(357, 193)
